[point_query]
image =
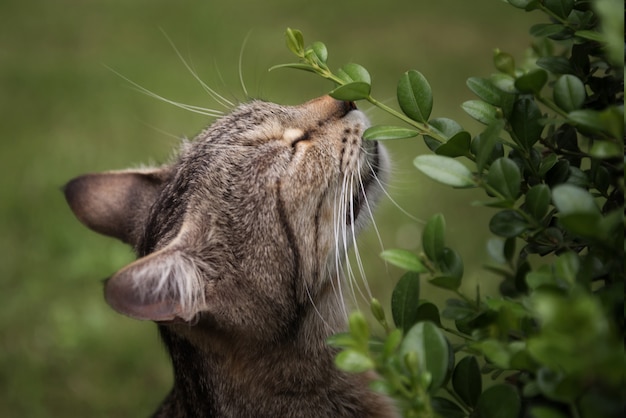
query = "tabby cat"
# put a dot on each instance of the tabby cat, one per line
(240, 243)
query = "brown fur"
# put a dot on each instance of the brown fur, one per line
(237, 243)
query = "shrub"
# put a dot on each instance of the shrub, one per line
(550, 160)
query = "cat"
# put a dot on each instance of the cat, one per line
(240, 243)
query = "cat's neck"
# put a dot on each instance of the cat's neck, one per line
(223, 376)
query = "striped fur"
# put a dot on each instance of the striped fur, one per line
(242, 242)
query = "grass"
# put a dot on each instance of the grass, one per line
(63, 352)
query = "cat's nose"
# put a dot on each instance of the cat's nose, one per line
(327, 107)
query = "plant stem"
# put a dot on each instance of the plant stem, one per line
(459, 401)
(574, 410)
(456, 333)
(423, 128)
(551, 105)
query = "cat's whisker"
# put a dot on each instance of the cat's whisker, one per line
(317, 312)
(369, 206)
(356, 247)
(338, 216)
(161, 131)
(191, 108)
(195, 109)
(391, 199)
(214, 94)
(241, 81)
(354, 283)
(346, 197)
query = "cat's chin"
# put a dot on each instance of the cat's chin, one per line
(358, 118)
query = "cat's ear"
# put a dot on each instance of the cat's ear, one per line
(163, 286)
(115, 203)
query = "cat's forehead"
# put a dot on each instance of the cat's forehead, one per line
(258, 112)
(248, 120)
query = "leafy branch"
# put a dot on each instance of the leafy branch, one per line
(550, 160)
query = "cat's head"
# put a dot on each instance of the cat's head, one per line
(246, 222)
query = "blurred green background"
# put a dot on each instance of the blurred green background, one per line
(63, 352)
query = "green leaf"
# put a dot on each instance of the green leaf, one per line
(481, 111)
(405, 301)
(610, 120)
(505, 178)
(445, 170)
(320, 51)
(525, 122)
(431, 143)
(488, 92)
(433, 238)
(520, 4)
(295, 41)
(561, 8)
(467, 380)
(458, 310)
(297, 66)
(451, 264)
(507, 223)
(428, 312)
(556, 65)
(356, 90)
(427, 341)
(353, 361)
(591, 35)
(558, 173)
(354, 72)
(532, 82)
(540, 277)
(504, 62)
(583, 224)
(443, 126)
(504, 82)
(499, 401)
(538, 201)
(606, 149)
(404, 259)
(546, 30)
(392, 342)
(569, 92)
(486, 142)
(446, 408)
(509, 249)
(547, 163)
(579, 213)
(385, 132)
(342, 340)
(359, 329)
(446, 282)
(546, 412)
(570, 199)
(457, 146)
(415, 96)
(377, 310)
(496, 351)
(447, 127)
(495, 249)
(566, 267)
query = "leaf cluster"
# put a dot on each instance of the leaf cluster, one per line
(550, 160)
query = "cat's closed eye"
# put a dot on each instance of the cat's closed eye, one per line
(293, 136)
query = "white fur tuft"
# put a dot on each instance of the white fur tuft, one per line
(171, 275)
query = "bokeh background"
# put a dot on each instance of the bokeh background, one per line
(63, 112)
